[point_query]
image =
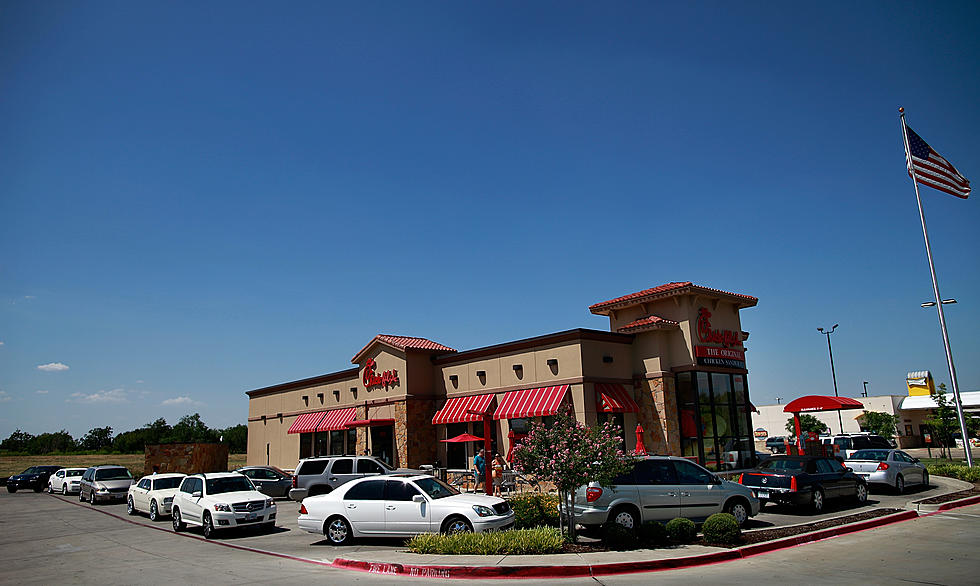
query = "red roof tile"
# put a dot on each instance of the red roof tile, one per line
(648, 322)
(667, 290)
(405, 343)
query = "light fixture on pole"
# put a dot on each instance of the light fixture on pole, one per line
(833, 372)
(865, 389)
(933, 303)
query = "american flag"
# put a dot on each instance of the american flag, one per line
(933, 170)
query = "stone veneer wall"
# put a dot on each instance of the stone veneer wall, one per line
(186, 458)
(362, 432)
(415, 436)
(658, 416)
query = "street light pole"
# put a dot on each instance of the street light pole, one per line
(833, 372)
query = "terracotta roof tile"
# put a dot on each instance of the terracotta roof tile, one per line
(405, 343)
(667, 290)
(649, 322)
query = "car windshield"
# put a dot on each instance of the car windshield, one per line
(74, 472)
(113, 474)
(780, 464)
(877, 455)
(435, 488)
(165, 483)
(31, 470)
(228, 484)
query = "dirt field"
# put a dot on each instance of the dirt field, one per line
(15, 464)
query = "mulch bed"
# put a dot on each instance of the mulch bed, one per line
(755, 536)
(936, 500)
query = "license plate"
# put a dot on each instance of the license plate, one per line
(763, 494)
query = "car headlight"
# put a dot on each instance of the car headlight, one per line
(222, 507)
(483, 511)
(100, 488)
(270, 504)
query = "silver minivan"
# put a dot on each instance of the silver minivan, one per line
(104, 483)
(660, 488)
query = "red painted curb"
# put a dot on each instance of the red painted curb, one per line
(970, 500)
(503, 572)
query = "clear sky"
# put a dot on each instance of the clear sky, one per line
(200, 199)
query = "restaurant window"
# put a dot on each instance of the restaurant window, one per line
(320, 443)
(337, 443)
(715, 422)
(352, 441)
(456, 457)
(305, 445)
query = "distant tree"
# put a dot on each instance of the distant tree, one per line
(97, 438)
(808, 423)
(236, 437)
(943, 422)
(17, 441)
(879, 423)
(131, 442)
(190, 428)
(51, 442)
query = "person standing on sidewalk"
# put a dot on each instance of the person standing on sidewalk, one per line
(480, 463)
(498, 473)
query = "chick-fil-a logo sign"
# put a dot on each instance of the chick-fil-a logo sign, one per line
(373, 379)
(724, 337)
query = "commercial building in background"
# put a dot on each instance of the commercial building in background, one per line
(912, 410)
(673, 362)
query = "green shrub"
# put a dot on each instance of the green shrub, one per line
(681, 530)
(721, 528)
(542, 540)
(654, 533)
(955, 471)
(534, 510)
(615, 536)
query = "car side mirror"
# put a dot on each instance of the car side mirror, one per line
(197, 494)
(417, 498)
(915, 460)
(715, 480)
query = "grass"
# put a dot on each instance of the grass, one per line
(10, 465)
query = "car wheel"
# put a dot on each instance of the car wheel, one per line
(816, 501)
(925, 478)
(91, 497)
(178, 524)
(64, 489)
(737, 509)
(625, 517)
(130, 506)
(208, 525)
(11, 488)
(899, 484)
(861, 493)
(50, 489)
(456, 525)
(154, 513)
(81, 498)
(337, 531)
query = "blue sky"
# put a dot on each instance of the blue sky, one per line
(202, 199)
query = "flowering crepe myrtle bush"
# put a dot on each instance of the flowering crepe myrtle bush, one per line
(570, 454)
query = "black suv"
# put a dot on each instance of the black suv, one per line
(35, 477)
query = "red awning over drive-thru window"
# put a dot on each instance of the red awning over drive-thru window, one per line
(464, 409)
(821, 403)
(337, 419)
(307, 422)
(531, 402)
(614, 398)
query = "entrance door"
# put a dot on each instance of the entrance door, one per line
(383, 443)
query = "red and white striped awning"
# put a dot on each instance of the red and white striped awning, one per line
(463, 409)
(538, 402)
(306, 422)
(337, 419)
(614, 398)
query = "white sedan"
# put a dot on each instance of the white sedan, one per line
(65, 480)
(400, 506)
(153, 494)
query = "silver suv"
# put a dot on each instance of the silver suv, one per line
(660, 488)
(321, 475)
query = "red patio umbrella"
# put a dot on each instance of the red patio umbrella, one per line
(463, 438)
(641, 450)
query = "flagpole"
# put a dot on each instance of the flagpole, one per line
(939, 303)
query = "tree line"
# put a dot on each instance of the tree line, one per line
(188, 429)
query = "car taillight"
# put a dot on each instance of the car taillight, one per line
(792, 484)
(592, 494)
(294, 481)
(303, 511)
(740, 478)
(882, 466)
